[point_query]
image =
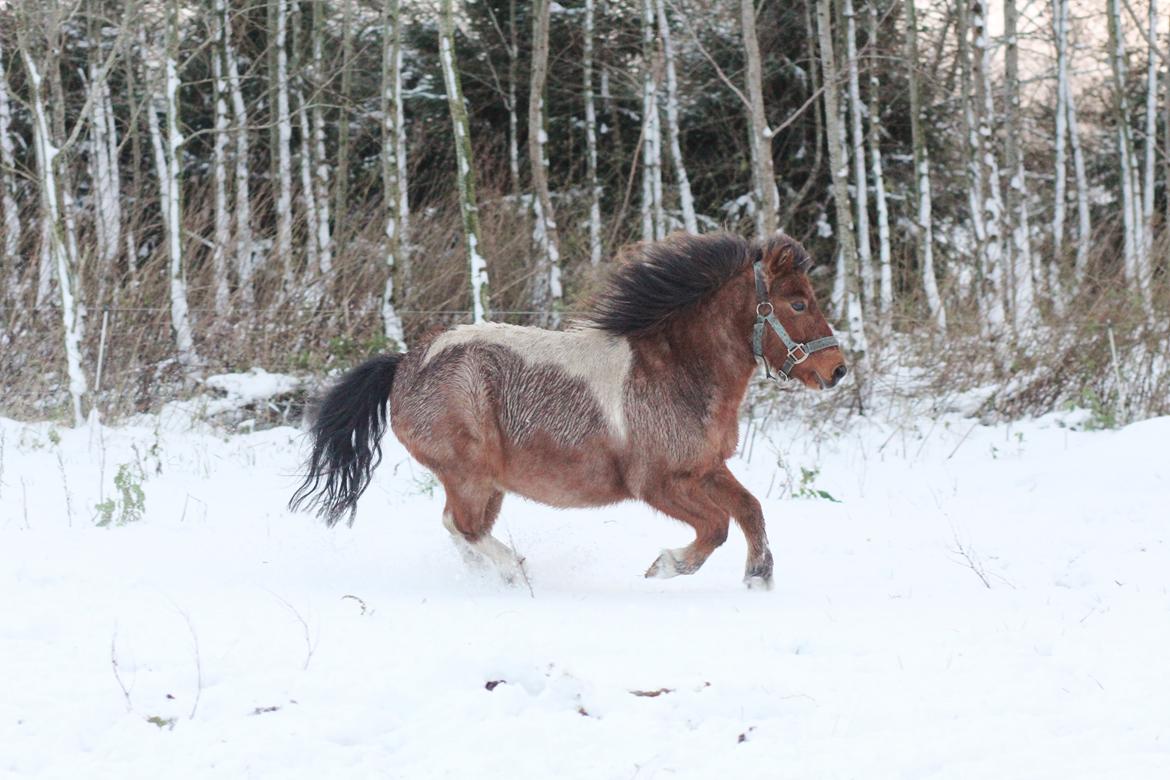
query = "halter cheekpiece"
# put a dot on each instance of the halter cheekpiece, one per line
(797, 353)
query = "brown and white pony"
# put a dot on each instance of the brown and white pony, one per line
(638, 401)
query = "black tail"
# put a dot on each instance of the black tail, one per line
(347, 440)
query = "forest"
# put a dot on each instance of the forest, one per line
(192, 187)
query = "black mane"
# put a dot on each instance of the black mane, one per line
(655, 281)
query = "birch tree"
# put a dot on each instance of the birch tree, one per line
(857, 138)
(1151, 139)
(305, 156)
(839, 164)
(1024, 314)
(1084, 224)
(924, 237)
(163, 88)
(1136, 260)
(765, 194)
(886, 277)
(222, 217)
(973, 148)
(245, 261)
(283, 245)
(992, 207)
(394, 170)
(591, 141)
(55, 247)
(341, 185)
(686, 199)
(321, 179)
(653, 214)
(465, 173)
(10, 251)
(548, 295)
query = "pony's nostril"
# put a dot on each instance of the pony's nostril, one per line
(839, 373)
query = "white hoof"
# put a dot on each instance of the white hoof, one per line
(758, 583)
(667, 566)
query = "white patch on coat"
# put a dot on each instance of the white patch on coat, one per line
(602, 361)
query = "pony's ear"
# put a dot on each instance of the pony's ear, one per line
(782, 254)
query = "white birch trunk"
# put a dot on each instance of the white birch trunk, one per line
(860, 179)
(283, 151)
(591, 142)
(765, 194)
(886, 277)
(166, 158)
(653, 215)
(1024, 313)
(103, 163)
(1059, 188)
(394, 172)
(323, 233)
(10, 251)
(551, 294)
(1084, 222)
(513, 120)
(1136, 258)
(222, 217)
(992, 245)
(245, 260)
(315, 289)
(839, 165)
(925, 216)
(974, 167)
(465, 173)
(1151, 140)
(686, 199)
(55, 248)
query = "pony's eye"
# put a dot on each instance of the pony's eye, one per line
(798, 305)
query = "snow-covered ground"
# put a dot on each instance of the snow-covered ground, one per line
(978, 602)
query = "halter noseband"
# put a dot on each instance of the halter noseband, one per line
(797, 353)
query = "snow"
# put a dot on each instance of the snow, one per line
(265, 644)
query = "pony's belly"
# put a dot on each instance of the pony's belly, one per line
(580, 477)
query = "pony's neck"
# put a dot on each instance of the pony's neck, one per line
(716, 339)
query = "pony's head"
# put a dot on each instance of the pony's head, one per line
(785, 267)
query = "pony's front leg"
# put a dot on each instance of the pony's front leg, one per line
(688, 500)
(726, 491)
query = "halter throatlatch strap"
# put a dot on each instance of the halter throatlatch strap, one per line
(797, 353)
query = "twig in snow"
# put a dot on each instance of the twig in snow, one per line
(520, 565)
(960, 444)
(65, 485)
(310, 646)
(972, 560)
(117, 673)
(198, 662)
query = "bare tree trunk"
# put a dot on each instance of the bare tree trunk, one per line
(283, 152)
(313, 265)
(1059, 187)
(1151, 141)
(1084, 226)
(321, 181)
(513, 121)
(838, 162)
(686, 199)
(860, 180)
(924, 246)
(465, 162)
(341, 184)
(166, 157)
(1136, 259)
(766, 195)
(103, 163)
(549, 296)
(55, 247)
(992, 246)
(394, 172)
(10, 251)
(974, 165)
(222, 219)
(653, 215)
(1023, 293)
(591, 142)
(245, 253)
(886, 283)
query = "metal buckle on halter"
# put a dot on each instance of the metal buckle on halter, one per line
(761, 305)
(792, 354)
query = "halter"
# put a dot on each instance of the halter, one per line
(797, 353)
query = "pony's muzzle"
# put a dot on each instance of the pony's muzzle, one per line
(838, 374)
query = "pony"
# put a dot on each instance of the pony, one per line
(637, 400)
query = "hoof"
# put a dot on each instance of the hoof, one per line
(758, 583)
(665, 567)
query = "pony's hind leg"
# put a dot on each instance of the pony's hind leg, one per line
(687, 500)
(469, 516)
